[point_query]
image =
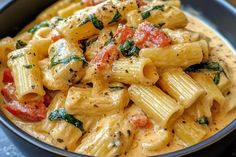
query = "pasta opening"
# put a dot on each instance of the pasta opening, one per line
(150, 71)
(174, 117)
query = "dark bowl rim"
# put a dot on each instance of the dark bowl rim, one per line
(188, 150)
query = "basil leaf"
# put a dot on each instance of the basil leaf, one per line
(67, 60)
(212, 66)
(61, 114)
(203, 120)
(147, 12)
(92, 18)
(116, 17)
(159, 25)
(12, 57)
(129, 49)
(20, 44)
(29, 66)
(216, 79)
(37, 27)
(91, 41)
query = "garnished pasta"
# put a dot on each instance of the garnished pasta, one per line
(115, 78)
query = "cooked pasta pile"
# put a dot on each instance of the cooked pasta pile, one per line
(91, 76)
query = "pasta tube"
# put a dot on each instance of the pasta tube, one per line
(88, 22)
(168, 17)
(181, 86)
(82, 102)
(63, 133)
(134, 70)
(213, 92)
(112, 136)
(159, 106)
(26, 73)
(64, 66)
(180, 55)
(189, 131)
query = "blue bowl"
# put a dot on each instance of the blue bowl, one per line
(15, 14)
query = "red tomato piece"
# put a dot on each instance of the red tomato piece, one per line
(149, 36)
(32, 111)
(140, 121)
(8, 92)
(7, 76)
(106, 57)
(123, 33)
(56, 37)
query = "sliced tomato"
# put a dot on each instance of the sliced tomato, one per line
(140, 121)
(56, 37)
(123, 33)
(7, 76)
(91, 2)
(8, 92)
(106, 57)
(149, 36)
(32, 111)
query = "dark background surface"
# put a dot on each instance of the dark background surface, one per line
(7, 149)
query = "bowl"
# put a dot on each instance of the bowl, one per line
(219, 14)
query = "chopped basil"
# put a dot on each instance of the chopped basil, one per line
(159, 25)
(129, 49)
(147, 12)
(54, 21)
(29, 66)
(116, 17)
(37, 27)
(92, 18)
(20, 44)
(116, 88)
(203, 120)
(110, 41)
(91, 41)
(12, 57)
(212, 66)
(61, 114)
(67, 60)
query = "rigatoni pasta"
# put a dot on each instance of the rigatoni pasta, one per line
(26, 72)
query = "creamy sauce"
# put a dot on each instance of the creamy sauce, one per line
(219, 51)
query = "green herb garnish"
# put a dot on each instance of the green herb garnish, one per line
(92, 18)
(116, 17)
(159, 25)
(203, 120)
(61, 114)
(12, 57)
(147, 12)
(115, 88)
(129, 49)
(29, 66)
(37, 27)
(67, 60)
(91, 41)
(212, 66)
(20, 44)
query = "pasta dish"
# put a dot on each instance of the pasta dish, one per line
(118, 78)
